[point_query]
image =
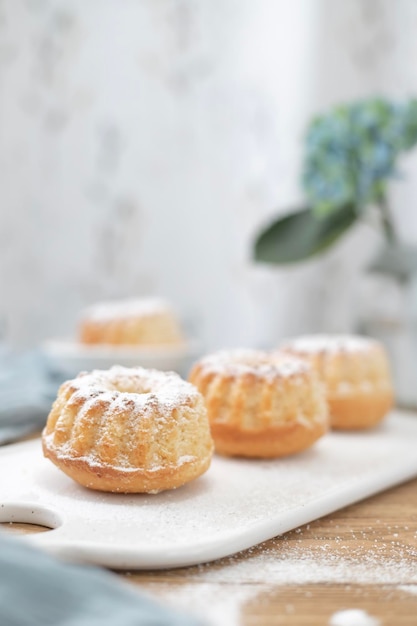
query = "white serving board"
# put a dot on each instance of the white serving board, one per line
(235, 505)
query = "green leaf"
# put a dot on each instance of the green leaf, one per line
(301, 235)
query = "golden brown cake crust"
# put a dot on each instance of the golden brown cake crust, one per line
(105, 478)
(271, 442)
(359, 411)
(355, 371)
(129, 430)
(261, 405)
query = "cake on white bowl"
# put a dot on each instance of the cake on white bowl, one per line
(139, 331)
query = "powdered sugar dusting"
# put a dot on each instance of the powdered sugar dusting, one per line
(65, 453)
(221, 606)
(121, 404)
(255, 362)
(295, 563)
(121, 309)
(136, 386)
(330, 343)
(353, 617)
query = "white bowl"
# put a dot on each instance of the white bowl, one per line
(68, 358)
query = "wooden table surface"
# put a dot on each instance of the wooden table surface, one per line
(363, 557)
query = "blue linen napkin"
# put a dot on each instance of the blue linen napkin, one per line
(39, 590)
(27, 391)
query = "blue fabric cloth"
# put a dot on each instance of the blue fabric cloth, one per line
(27, 391)
(38, 590)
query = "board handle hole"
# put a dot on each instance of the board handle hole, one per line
(19, 528)
(27, 518)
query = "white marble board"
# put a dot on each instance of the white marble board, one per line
(237, 504)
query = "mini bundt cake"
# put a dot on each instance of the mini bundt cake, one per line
(141, 321)
(261, 405)
(356, 374)
(129, 430)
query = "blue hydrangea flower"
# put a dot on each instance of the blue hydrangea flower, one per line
(351, 152)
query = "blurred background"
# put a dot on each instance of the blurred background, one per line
(144, 143)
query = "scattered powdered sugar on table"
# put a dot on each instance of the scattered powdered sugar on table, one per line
(313, 568)
(296, 564)
(223, 600)
(411, 589)
(215, 606)
(216, 593)
(353, 617)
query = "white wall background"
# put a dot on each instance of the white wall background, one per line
(143, 142)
